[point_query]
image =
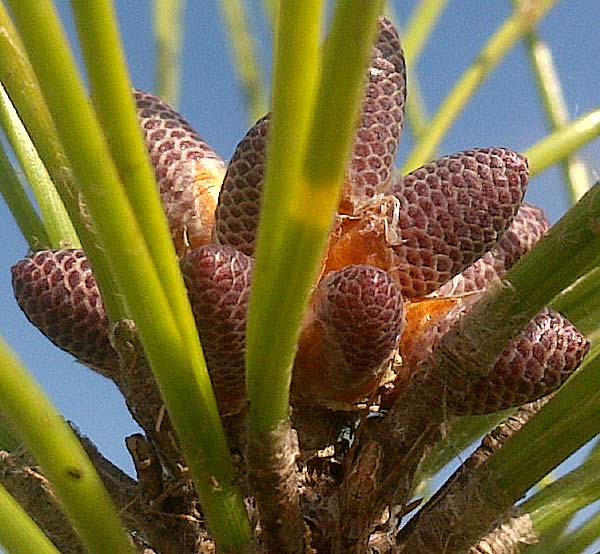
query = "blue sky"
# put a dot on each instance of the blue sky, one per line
(505, 112)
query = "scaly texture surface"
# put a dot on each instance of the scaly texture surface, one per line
(239, 202)
(391, 279)
(58, 293)
(188, 171)
(380, 126)
(430, 319)
(218, 282)
(372, 159)
(528, 227)
(438, 220)
(353, 329)
(531, 366)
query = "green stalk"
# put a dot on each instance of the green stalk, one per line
(416, 111)
(577, 541)
(62, 458)
(243, 53)
(490, 55)
(19, 534)
(563, 142)
(555, 108)
(528, 286)
(537, 278)
(115, 108)
(184, 386)
(9, 440)
(560, 428)
(271, 337)
(462, 433)
(594, 453)
(549, 538)
(57, 223)
(565, 496)
(580, 303)
(20, 207)
(299, 201)
(333, 127)
(168, 31)
(418, 29)
(17, 76)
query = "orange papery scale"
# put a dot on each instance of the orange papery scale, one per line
(357, 240)
(421, 316)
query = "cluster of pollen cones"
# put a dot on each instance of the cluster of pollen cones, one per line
(407, 257)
